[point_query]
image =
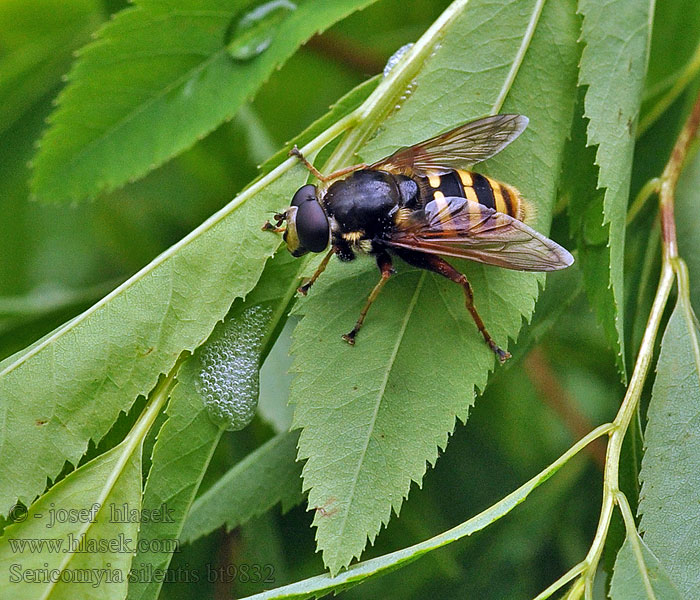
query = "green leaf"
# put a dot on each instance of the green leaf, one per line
(80, 509)
(188, 438)
(342, 107)
(670, 497)
(70, 387)
(37, 44)
(374, 414)
(318, 586)
(264, 478)
(159, 78)
(275, 380)
(628, 580)
(613, 66)
(182, 452)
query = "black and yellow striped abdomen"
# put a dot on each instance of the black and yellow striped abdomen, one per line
(475, 187)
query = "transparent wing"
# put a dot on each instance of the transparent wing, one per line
(464, 146)
(465, 229)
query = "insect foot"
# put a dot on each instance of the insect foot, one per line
(503, 355)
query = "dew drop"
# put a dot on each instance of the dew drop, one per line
(228, 378)
(252, 33)
(396, 57)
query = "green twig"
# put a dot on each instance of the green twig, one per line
(383, 99)
(684, 78)
(667, 187)
(562, 581)
(576, 590)
(650, 188)
(672, 265)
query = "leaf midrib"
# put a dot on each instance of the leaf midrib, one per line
(498, 103)
(127, 452)
(380, 394)
(145, 105)
(519, 57)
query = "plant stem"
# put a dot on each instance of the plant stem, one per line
(672, 265)
(159, 397)
(648, 189)
(562, 581)
(576, 590)
(686, 76)
(622, 421)
(384, 98)
(543, 377)
(669, 179)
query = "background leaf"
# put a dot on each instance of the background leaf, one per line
(627, 582)
(611, 30)
(670, 496)
(98, 364)
(38, 41)
(159, 78)
(321, 585)
(402, 412)
(88, 497)
(253, 486)
(189, 437)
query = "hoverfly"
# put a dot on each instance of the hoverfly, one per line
(421, 204)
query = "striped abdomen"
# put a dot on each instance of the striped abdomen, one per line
(476, 187)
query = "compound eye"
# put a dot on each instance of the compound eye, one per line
(312, 225)
(303, 194)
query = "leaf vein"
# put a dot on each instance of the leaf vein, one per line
(392, 358)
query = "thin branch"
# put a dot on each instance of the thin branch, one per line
(562, 581)
(672, 265)
(360, 58)
(540, 373)
(576, 590)
(669, 179)
(683, 79)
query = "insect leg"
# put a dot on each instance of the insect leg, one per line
(442, 267)
(386, 269)
(267, 226)
(304, 288)
(277, 228)
(320, 176)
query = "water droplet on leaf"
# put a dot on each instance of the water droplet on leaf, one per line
(228, 378)
(252, 33)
